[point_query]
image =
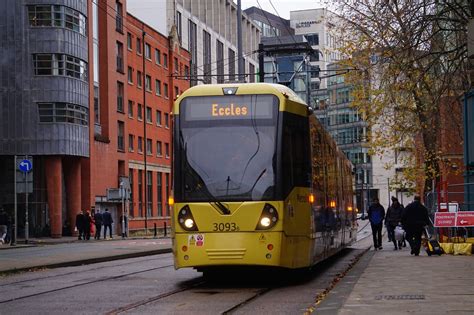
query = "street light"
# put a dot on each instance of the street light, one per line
(122, 194)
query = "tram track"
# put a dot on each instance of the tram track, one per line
(84, 284)
(69, 273)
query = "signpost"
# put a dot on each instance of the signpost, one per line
(25, 166)
(465, 218)
(454, 219)
(445, 219)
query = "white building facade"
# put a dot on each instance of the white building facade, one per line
(208, 29)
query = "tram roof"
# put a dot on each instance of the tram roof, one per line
(243, 88)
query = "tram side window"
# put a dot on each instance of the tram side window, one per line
(296, 163)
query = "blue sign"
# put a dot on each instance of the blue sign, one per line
(25, 166)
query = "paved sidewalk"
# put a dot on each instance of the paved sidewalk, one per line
(68, 251)
(394, 282)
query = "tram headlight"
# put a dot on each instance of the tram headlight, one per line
(268, 218)
(186, 219)
(265, 222)
(189, 223)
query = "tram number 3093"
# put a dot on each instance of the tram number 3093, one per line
(225, 227)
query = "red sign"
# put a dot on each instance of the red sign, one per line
(465, 218)
(445, 219)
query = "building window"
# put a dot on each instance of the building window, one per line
(167, 120)
(149, 187)
(231, 65)
(147, 51)
(157, 57)
(148, 115)
(57, 16)
(165, 89)
(193, 50)
(158, 117)
(130, 75)
(207, 61)
(159, 193)
(129, 41)
(140, 144)
(96, 105)
(252, 73)
(220, 61)
(140, 193)
(165, 61)
(167, 190)
(167, 150)
(158, 87)
(176, 92)
(59, 64)
(179, 27)
(120, 97)
(176, 65)
(119, 55)
(186, 72)
(159, 148)
(120, 136)
(139, 79)
(63, 113)
(313, 39)
(139, 112)
(149, 147)
(131, 140)
(130, 108)
(119, 17)
(139, 46)
(148, 83)
(130, 179)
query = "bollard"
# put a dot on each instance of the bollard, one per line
(165, 228)
(154, 227)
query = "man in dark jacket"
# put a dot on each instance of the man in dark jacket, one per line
(107, 221)
(376, 215)
(414, 218)
(98, 224)
(393, 218)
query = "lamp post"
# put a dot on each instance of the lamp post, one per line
(122, 194)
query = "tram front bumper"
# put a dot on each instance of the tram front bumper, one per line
(225, 249)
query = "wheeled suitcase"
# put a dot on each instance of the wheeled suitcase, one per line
(432, 247)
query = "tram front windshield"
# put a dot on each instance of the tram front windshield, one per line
(226, 148)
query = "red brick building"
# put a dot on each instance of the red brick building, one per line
(132, 97)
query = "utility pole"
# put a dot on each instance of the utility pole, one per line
(145, 149)
(261, 62)
(240, 57)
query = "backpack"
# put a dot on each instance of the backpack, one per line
(376, 216)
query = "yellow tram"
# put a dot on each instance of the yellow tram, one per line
(257, 180)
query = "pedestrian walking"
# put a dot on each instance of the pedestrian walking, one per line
(376, 215)
(87, 225)
(414, 219)
(393, 219)
(3, 225)
(107, 222)
(98, 224)
(80, 224)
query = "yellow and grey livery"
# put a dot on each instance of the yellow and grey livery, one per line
(257, 180)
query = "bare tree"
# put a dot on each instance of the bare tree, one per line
(410, 57)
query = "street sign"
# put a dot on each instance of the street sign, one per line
(445, 219)
(451, 206)
(465, 218)
(25, 166)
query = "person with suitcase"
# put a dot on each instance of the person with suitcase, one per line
(414, 219)
(392, 219)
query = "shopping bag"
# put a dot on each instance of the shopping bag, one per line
(399, 233)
